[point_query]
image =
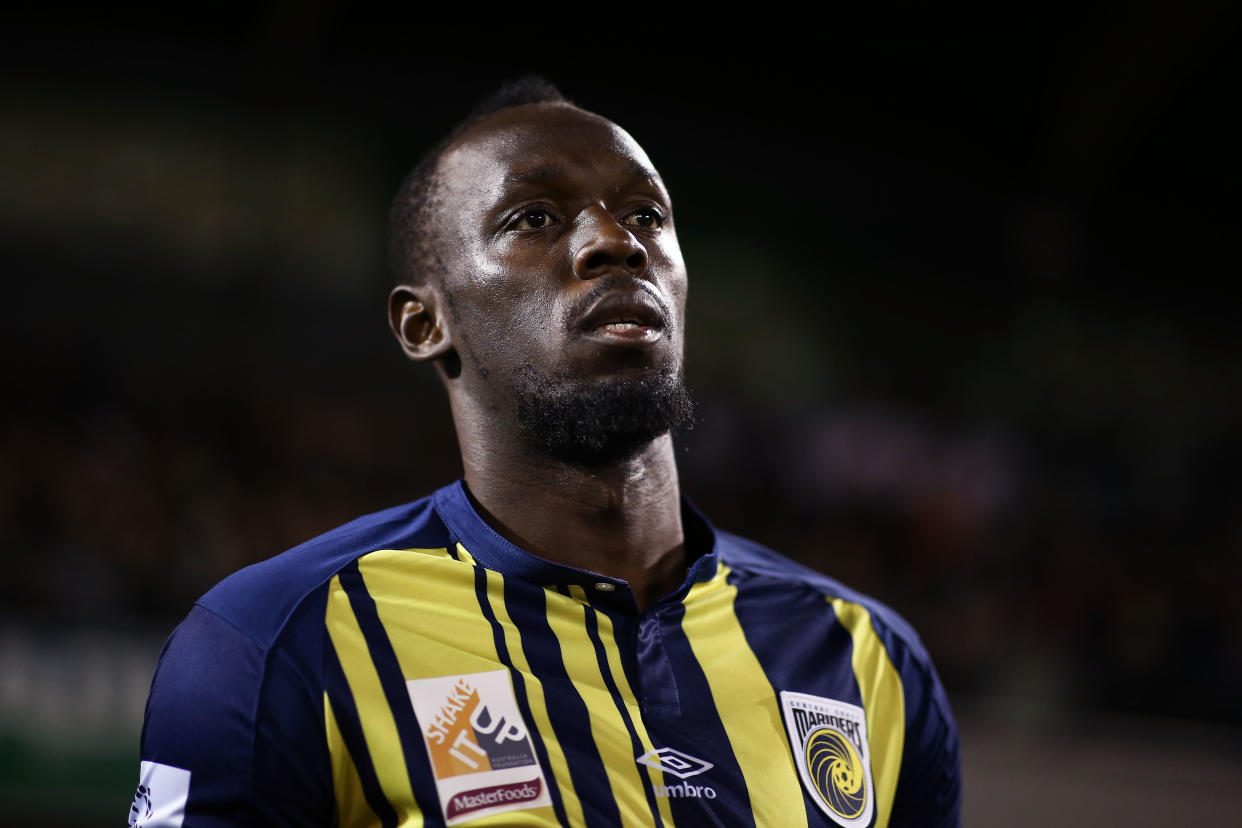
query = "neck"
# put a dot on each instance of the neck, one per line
(622, 520)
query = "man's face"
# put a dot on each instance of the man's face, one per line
(562, 274)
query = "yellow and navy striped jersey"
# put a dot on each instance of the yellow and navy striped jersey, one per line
(415, 668)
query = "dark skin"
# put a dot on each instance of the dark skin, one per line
(558, 259)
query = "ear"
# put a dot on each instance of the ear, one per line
(415, 318)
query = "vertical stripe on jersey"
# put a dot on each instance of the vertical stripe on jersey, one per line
(622, 790)
(352, 808)
(380, 697)
(636, 746)
(570, 718)
(702, 712)
(612, 666)
(883, 701)
(740, 685)
(426, 602)
(802, 648)
(489, 589)
(388, 670)
(344, 709)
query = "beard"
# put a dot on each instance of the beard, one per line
(592, 424)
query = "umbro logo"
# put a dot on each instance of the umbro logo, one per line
(681, 765)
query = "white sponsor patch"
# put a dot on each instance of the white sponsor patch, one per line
(480, 751)
(833, 756)
(160, 799)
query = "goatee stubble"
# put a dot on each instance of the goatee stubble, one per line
(596, 423)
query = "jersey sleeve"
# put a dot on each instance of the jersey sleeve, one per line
(929, 785)
(233, 734)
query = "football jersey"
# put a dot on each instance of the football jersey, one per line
(414, 667)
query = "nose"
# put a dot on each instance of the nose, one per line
(607, 247)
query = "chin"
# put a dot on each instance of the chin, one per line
(600, 422)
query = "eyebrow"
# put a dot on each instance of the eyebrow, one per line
(535, 175)
(544, 172)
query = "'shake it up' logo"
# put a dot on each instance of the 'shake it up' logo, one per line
(479, 747)
(832, 754)
(469, 737)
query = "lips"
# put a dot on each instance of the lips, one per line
(622, 312)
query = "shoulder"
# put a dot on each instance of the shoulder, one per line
(258, 633)
(236, 705)
(260, 600)
(886, 654)
(749, 560)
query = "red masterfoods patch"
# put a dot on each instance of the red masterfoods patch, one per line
(468, 801)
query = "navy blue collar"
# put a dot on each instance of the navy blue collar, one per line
(494, 552)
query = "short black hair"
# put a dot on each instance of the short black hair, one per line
(409, 243)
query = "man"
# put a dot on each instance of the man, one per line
(559, 638)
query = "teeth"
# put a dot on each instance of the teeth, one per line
(619, 326)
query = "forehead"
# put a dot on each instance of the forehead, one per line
(524, 144)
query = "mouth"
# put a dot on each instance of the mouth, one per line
(625, 318)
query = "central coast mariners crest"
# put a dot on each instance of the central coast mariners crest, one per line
(830, 748)
(480, 751)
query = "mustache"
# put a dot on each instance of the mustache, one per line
(615, 284)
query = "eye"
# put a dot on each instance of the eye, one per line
(532, 219)
(644, 217)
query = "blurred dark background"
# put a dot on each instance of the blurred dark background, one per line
(961, 335)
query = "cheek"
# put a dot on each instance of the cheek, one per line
(507, 323)
(674, 266)
(521, 286)
(678, 290)
(514, 272)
